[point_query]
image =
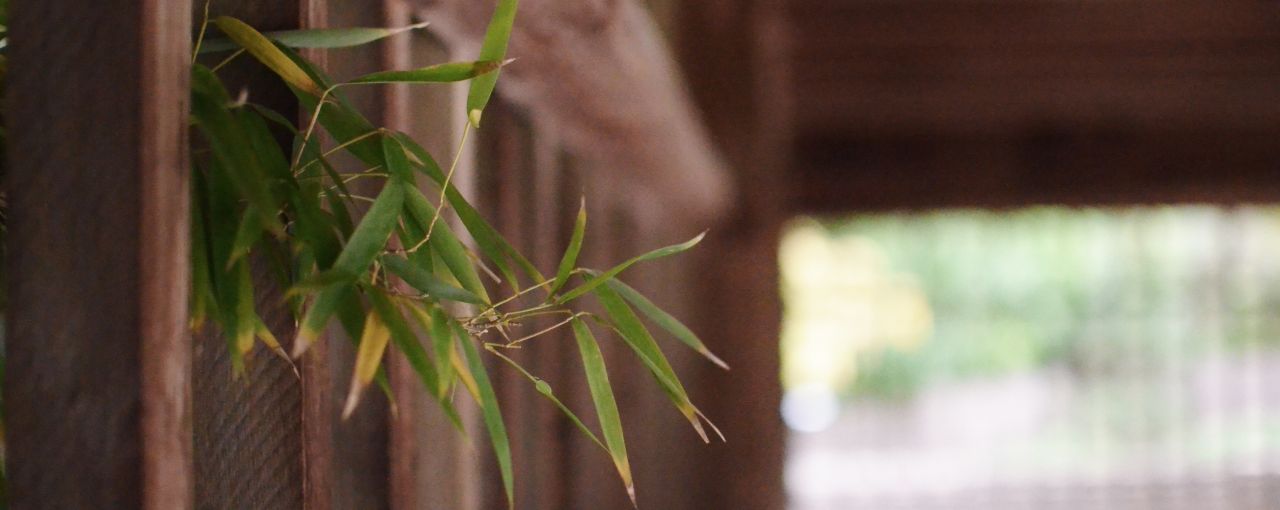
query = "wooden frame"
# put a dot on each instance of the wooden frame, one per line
(98, 362)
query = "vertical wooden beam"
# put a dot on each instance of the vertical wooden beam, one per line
(97, 389)
(731, 50)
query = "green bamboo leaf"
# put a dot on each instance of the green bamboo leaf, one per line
(426, 282)
(662, 319)
(201, 283)
(542, 387)
(487, 238)
(407, 342)
(605, 276)
(370, 236)
(436, 326)
(606, 406)
(494, 47)
(323, 38)
(439, 73)
(397, 163)
(571, 253)
(322, 308)
(266, 52)
(635, 335)
(489, 411)
(444, 243)
(232, 148)
(319, 281)
(373, 343)
(247, 233)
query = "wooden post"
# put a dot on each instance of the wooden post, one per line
(97, 391)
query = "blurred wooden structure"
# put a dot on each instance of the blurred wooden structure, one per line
(112, 403)
(816, 106)
(997, 103)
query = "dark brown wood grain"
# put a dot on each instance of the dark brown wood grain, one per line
(97, 388)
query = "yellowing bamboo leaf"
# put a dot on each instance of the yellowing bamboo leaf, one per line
(266, 52)
(373, 343)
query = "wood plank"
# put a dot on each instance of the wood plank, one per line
(734, 55)
(1102, 166)
(1002, 22)
(98, 353)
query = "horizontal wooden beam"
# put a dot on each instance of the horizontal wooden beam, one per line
(1102, 166)
(601, 74)
(1003, 66)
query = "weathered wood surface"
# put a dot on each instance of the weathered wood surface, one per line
(601, 72)
(97, 388)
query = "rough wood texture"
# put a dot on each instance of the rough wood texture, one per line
(601, 72)
(97, 390)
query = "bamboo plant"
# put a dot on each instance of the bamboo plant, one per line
(397, 277)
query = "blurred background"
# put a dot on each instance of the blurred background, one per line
(1026, 259)
(1043, 357)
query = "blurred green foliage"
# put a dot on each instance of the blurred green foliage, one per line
(1020, 290)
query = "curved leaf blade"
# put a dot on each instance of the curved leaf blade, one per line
(494, 47)
(591, 284)
(320, 38)
(427, 283)
(266, 52)
(606, 405)
(571, 252)
(439, 73)
(489, 411)
(664, 320)
(373, 343)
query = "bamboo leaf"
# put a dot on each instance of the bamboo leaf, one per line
(662, 319)
(427, 283)
(314, 320)
(407, 342)
(606, 405)
(571, 253)
(545, 389)
(439, 73)
(487, 238)
(605, 276)
(266, 52)
(489, 411)
(635, 335)
(397, 163)
(435, 324)
(371, 234)
(324, 38)
(373, 343)
(494, 47)
(445, 244)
